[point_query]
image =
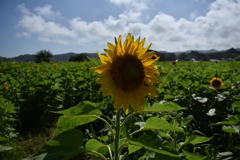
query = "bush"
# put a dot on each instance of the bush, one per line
(79, 57)
(43, 56)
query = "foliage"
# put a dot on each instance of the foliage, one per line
(188, 120)
(43, 56)
(7, 130)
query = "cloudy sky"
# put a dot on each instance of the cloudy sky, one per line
(62, 26)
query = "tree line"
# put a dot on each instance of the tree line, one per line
(233, 54)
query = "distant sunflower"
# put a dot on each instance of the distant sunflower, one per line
(174, 62)
(127, 73)
(216, 83)
(6, 85)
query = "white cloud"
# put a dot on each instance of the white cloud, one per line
(218, 29)
(46, 12)
(135, 4)
(47, 31)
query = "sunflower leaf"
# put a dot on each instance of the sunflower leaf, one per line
(193, 156)
(195, 139)
(157, 123)
(236, 105)
(68, 122)
(232, 120)
(5, 148)
(144, 143)
(62, 147)
(84, 108)
(97, 146)
(95, 61)
(231, 129)
(169, 106)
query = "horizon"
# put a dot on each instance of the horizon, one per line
(176, 52)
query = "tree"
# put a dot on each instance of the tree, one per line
(182, 56)
(170, 57)
(237, 58)
(79, 57)
(43, 56)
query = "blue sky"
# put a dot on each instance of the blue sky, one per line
(62, 26)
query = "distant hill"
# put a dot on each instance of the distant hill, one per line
(55, 58)
(24, 58)
(209, 54)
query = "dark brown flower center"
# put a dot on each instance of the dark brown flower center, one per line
(127, 72)
(216, 83)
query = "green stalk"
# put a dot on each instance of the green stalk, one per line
(117, 135)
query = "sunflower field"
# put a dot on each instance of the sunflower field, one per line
(196, 114)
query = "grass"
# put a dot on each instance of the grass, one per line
(26, 145)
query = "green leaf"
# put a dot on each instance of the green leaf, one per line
(169, 106)
(191, 156)
(62, 147)
(95, 61)
(97, 146)
(133, 148)
(104, 138)
(5, 148)
(68, 122)
(148, 145)
(85, 108)
(186, 120)
(158, 142)
(236, 105)
(157, 123)
(163, 134)
(194, 139)
(2, 138)
(166, 96)
(231, 129)
(232, 120)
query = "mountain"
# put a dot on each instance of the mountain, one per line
(63, 57)
(24, 58)
(200, 51)
(55, 58)
(230, 53)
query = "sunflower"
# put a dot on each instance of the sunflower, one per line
(174, 62)
(216, 83)
(6, 85)
(128, 73)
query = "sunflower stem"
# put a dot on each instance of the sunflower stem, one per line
(117, 135)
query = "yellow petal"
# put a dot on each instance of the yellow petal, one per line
(144, 50)
(147, 55)
(100, 69)
(103, 58)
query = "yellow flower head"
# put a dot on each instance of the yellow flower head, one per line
(127, 73)
(216, 83)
